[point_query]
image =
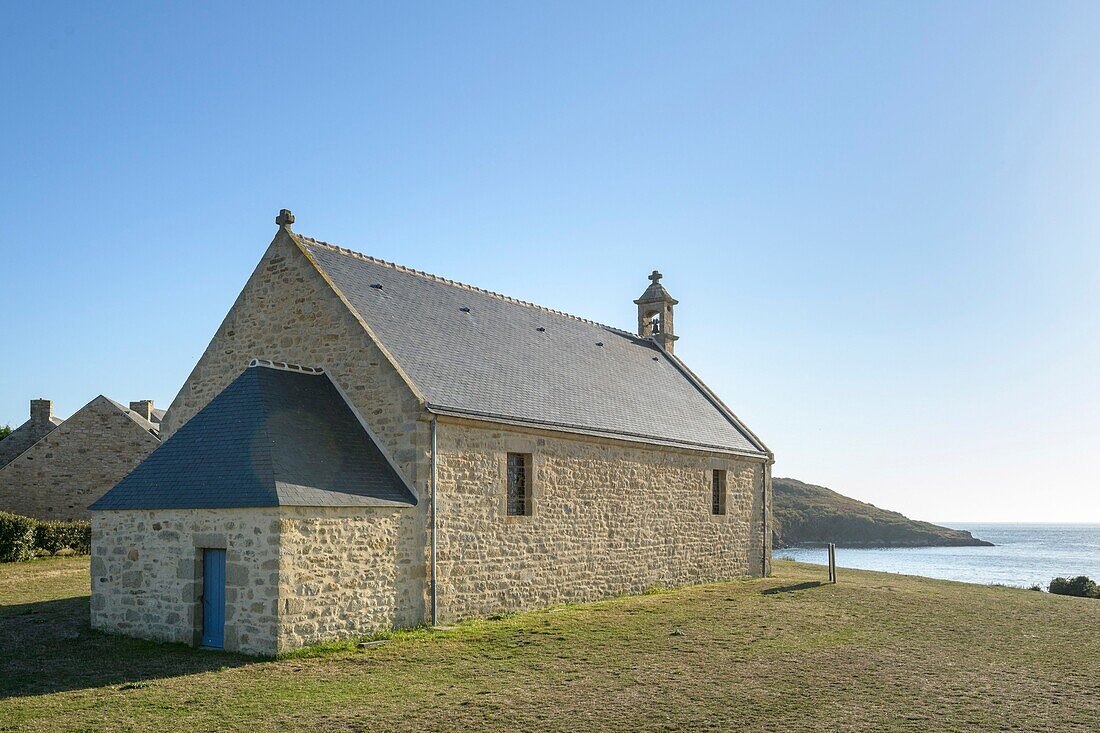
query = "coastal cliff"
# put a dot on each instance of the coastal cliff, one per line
(806, 515)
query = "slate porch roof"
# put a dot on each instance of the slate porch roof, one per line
(476, 353)
(273, 437)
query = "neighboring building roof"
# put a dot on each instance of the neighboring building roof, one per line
(24, 437)
(74, 464)
(153, 426)
(273, 437)
(472, 352)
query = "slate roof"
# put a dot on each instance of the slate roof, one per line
(476, 353)
(273, 437)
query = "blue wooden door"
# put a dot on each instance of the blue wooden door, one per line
(213, 598)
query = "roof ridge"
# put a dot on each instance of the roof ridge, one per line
(137, 418)
(459, 284)
(284, 366)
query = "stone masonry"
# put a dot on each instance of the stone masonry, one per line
(607, 518)
(348, 572)
(294, 576)
(288, 313)
(40, 424)
(147, 574)
(61, 474)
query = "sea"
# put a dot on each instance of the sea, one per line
(1023, 555)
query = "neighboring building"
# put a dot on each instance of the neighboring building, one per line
(568, 461)
(40, 424)
(74, 464)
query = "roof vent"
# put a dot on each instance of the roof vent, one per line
(376, 286)
(599, 343)
(465, 309)
(540, 329)
(655, 359)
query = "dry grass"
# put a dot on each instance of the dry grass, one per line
(875, 653)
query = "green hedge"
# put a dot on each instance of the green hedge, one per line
(53, 537)
(16, 537)
(21, 538)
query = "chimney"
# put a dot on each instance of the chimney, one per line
(655, 313)
(41, 411)
(143, 408)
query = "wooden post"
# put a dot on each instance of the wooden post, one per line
(832, 563)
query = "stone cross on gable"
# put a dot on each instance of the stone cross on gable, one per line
(285, 218)
(656, 277)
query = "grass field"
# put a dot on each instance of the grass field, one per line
(874, 653)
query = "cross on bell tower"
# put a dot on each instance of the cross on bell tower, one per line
(655, 313)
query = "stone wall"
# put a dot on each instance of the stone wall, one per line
(288, 312)
(147, 574)
(294, 576)
(27, 434)
(607, 519)
(349, 572)
(60, 475)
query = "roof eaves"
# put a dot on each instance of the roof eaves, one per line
(716, 401)
(334, 498)
(577, 430)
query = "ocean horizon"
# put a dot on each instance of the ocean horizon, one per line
(1024, 554)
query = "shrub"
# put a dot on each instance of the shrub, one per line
(80, 537)
(1081, 586)
(53, 537)
(16, 538)
(47, 538)
(22, 537)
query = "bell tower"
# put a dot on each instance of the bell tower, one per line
(655, 313)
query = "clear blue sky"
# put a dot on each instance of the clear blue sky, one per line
(880, 219)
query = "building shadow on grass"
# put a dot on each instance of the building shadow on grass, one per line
(50, 647)
(792, 588)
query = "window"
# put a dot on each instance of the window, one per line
(519, 484)
(718, 492)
